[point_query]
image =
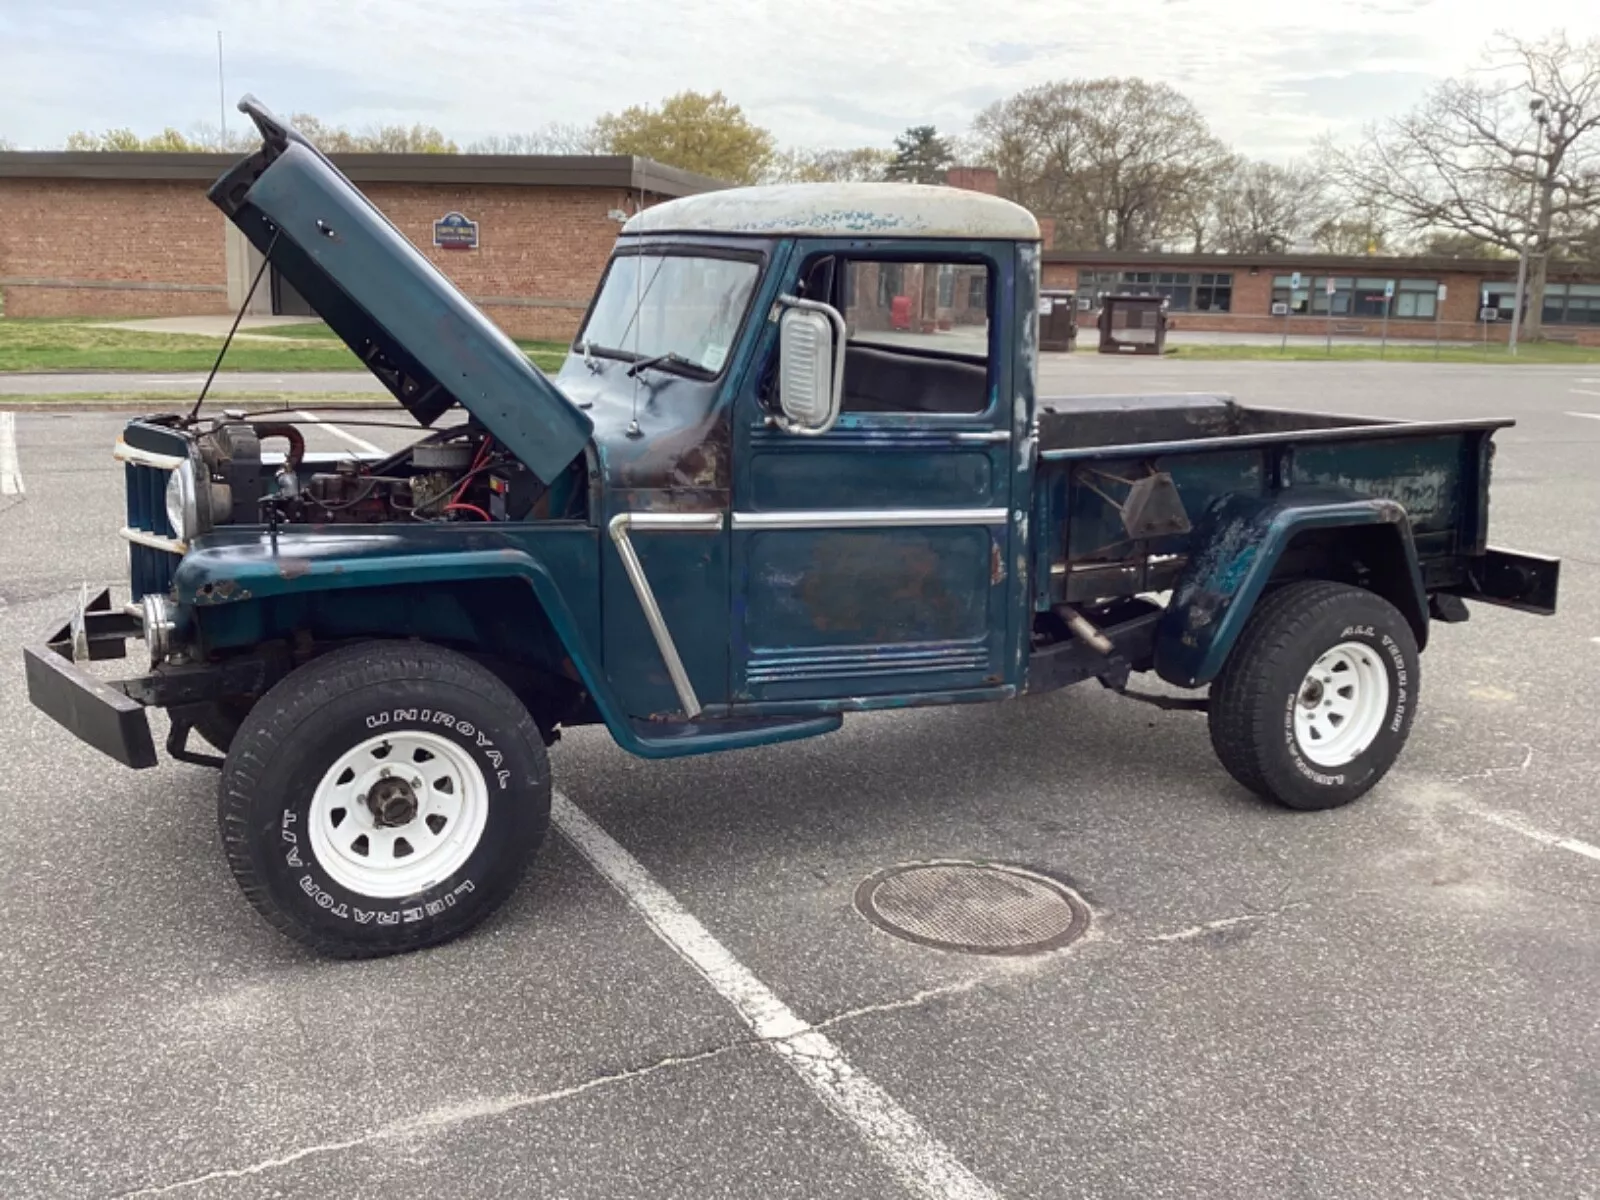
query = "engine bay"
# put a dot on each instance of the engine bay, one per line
(454, 474)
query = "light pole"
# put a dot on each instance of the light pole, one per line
(1540, 118)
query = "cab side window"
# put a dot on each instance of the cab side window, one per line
(918, 332)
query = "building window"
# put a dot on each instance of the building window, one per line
(1564, 303)
(947, 285)
(1094, 284)
(1183, 290)
(1500, 297)
(978, 292)
(1351, 297)
(1298, 299)
(1416, 298)
(1369, 299)
(1214, 292)
(1583, 304)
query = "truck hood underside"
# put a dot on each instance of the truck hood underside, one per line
(410, 325)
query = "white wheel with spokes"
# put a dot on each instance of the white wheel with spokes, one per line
(1342, 704)
(398, 813)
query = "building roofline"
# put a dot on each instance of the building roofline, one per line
(1345, 264)
(625, 171)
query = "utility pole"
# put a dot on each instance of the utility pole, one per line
(1540, 117)
(222, 100)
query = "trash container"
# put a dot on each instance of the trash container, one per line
(1058, 319)
(1133, 324)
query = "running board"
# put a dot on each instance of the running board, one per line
(675, 739)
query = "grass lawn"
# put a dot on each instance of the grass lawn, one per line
(547, 356)
(1457, 352)
(52, 345)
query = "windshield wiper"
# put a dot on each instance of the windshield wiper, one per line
(588, 357)
(671, 356)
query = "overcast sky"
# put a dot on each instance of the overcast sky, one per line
(1270, 75)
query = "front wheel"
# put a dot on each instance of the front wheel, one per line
(1316, 701)
(383, 798)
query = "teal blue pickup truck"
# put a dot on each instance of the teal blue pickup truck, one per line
(794, 467)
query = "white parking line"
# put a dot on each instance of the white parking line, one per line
(360, 444)
(1517, 823)
(1591, 416)
(924, 1164)
(10, 469)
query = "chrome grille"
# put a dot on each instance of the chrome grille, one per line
(149, 569)
(148, 454)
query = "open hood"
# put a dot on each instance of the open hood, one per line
(412, 327)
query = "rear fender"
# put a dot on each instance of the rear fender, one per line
(1243, 543)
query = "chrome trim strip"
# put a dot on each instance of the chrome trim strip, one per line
(143, 537)
(619, 526)
(146, 458)
(984, 435)
(869, 518)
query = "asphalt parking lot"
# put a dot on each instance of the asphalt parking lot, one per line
(1401, 998)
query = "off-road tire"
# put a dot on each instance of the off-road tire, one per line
(1253, 700)
(289, 741)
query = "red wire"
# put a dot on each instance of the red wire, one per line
(469, 508)
(478, 460)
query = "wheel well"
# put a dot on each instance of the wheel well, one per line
(1372, 557)
(498, 622)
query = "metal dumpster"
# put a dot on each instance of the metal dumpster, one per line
(1133, 324)
(1058, 319)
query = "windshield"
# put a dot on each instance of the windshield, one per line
(677, 305)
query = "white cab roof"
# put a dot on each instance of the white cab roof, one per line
(882, 210)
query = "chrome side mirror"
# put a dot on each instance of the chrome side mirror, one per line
(811, 344)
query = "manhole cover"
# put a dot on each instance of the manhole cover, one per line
(977, 908)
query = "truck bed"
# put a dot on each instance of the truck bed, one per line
(1094, 450)
(1082, 422)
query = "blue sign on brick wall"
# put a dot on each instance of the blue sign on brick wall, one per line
(454, 232)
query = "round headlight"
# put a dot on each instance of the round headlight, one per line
(182, 510)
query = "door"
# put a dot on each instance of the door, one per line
(871, 561)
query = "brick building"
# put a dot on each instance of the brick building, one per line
(1258, 293)
(107, 234)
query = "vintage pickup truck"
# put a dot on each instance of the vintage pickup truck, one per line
(794, 467)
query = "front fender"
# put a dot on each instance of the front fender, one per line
(1236, 547)
(558, 561)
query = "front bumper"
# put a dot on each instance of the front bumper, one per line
(111, 715)
(99, 713)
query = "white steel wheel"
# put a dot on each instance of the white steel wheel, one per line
(1342, 704)
(398, 813)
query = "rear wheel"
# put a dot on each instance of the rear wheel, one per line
(383, 798)
(1316, 701)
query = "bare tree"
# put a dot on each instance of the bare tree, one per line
(375, 139)
(1444, 244)
(1586, 247)
(1509, 156)
(554, 138)
(1264, 208)
(1115, 161)
(865, 164)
